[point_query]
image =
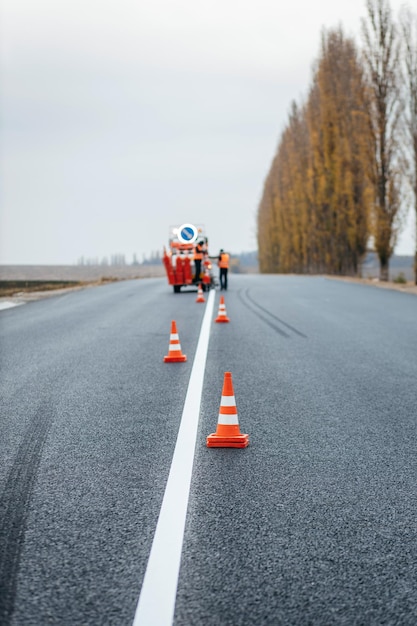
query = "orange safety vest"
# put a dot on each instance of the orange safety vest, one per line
(224, 260)
(198, 253)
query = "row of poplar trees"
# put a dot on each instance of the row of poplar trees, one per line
(346, 163)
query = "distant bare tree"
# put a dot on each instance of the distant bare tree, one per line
(382, 61)
(118, 260)
(408, 22)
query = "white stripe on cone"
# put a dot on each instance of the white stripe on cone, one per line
(228, 420)
(228, 401)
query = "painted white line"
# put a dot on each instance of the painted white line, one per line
(156, 603)
(7, 304)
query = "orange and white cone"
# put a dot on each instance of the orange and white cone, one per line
(200, 296)
(228, 434)
(174, 352)
(222, 315)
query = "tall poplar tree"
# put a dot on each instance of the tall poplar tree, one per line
(337, 115)
(382, 63)
(313, 215)
(409, 37)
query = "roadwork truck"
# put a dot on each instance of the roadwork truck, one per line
(186, 244)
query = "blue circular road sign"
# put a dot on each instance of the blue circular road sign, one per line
(187, 233)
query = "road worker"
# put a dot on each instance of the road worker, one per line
(223, 263)
(199, 252)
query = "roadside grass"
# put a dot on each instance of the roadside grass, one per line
(400, 279)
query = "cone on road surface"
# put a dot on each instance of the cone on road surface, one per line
(174, 352)
(222, 315)
(228, 434)
(200, 296)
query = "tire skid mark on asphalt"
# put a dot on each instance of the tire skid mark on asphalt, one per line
(14, 503)
(261, 317)
(275, 317)
(297, 332)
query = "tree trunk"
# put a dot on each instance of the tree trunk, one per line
(415, 206)
(415, 267)
(384, 269)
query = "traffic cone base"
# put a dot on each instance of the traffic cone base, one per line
(228, 434)
(174, 351)
(169, 358)
(237, 441)
(222, 315)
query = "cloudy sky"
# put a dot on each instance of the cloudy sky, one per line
(122, 118)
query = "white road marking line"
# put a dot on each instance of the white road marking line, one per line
(156, 603)
(9, 305)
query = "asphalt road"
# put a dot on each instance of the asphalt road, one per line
(314, 523)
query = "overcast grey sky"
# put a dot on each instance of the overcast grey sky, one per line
(121, 118)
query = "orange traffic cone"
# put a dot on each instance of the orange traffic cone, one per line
(174, 352)
(227, 434)
(200, 296)
(222, 315)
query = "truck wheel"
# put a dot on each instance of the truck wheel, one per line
(177, 288)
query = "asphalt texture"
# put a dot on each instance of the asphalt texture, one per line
(314, 523)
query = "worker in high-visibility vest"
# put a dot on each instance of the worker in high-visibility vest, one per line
(199, 251)
(223, 263)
